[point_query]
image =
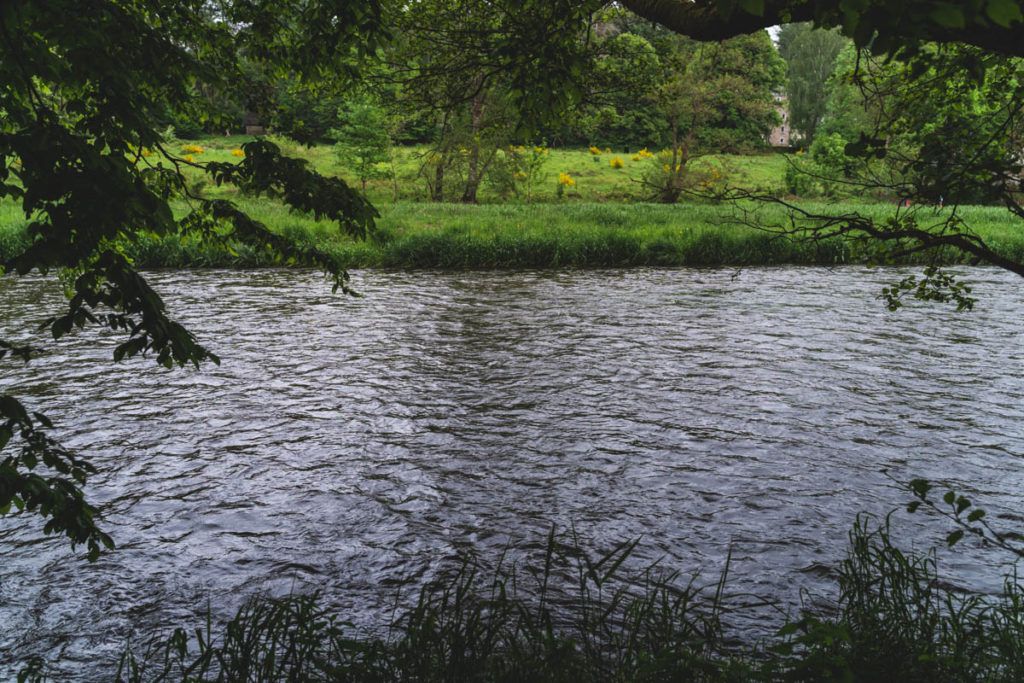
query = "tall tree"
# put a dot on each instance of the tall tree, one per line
(715, 97)
(452, 56)
(810, 56)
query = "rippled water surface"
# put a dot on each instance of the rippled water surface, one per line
(349, 444)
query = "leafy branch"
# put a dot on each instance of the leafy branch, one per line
(958, 509)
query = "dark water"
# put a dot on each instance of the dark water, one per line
(349, 444)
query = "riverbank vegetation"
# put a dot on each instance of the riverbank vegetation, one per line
(602, 220)
(570, 614)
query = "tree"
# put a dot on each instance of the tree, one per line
(626, 68)
(86, 92)
(934, 161)
(714, 96)
(363, 142)
(451, 57)
(810, 56)
(996, 26)
(85, 87)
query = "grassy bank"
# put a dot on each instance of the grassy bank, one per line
(552, 235)
(599, 221)
(573, 615)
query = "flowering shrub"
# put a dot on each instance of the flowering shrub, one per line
(189, 158)
(595, 151)
(192, 149)
(644, 154)
(237, 153)
(711, 177)
(615, 163)
(564, 180)
(528, 166)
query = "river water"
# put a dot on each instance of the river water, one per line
(348, 445)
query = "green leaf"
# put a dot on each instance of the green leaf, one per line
(949, 497)
(948, 15)
(1003, 12)
(43, 420)
(913, 505)
(975, 515)
(920, 487)
(953, 537)
(755, 7)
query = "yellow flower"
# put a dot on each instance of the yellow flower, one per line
(565, 180)
(519, 175)
(615, 163)
(608, 150)
(192, 149)
(540, 150)
(237, 153)
(595, 151)
(189, 158)
(635, 157)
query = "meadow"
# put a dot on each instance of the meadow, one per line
(602, 219)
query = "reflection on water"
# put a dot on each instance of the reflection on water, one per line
(349, 444)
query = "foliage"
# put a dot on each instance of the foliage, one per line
(528, 166)
(81, 101)
(886, 26)
(714, 97)
(363, 144)
(810, 56)
(569, 613)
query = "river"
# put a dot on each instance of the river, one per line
(352, 444)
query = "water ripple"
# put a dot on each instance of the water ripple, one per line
(349, 445)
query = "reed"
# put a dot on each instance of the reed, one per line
(569, 614)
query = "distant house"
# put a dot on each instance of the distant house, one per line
(253, 125)
(782, 133)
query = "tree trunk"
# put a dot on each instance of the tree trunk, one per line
(474, 172)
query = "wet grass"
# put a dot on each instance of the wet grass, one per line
(567, 614)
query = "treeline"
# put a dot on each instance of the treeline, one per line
(939, 124)
(631, 85)
(628, 85)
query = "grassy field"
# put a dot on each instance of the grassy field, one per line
(601, 221)
(596, 178)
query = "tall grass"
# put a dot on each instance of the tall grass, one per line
(901, 622)
(569, 615)
(572, 615)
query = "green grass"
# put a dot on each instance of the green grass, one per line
(598, 223)
(549, 235)
(596, 179)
